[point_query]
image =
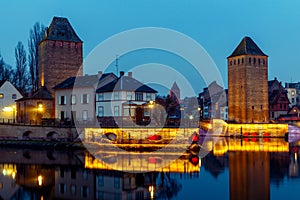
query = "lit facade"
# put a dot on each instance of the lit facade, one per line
(248, 84)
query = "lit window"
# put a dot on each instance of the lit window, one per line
(293, 93)
(1, 95)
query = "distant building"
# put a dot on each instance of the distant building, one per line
(248, 84)
(124, 97)
(213, 102)
(59, 54)
(8, 95)
(293, 90)
(175, 91)
(75, 97)
(278, 99)
(36, 107)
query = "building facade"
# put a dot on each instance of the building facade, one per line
(59, 54)
(33, 109)
(124, 97)
(278, 99)
(248, 84)
(8, 95)
(75, 97)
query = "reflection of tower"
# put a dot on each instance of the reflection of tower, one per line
(59, 54)
(248, 84)
(249, 175)
(175, 91)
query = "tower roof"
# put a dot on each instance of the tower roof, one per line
(60, 29)
(247, 47)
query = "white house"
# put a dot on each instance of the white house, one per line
(8, 95)
(124, 96)
(75, 96)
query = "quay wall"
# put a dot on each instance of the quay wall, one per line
(14, 131)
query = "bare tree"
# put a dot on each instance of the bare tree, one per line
(36, 35)
(21, 67)
(6, 72)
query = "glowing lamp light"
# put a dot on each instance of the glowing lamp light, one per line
(40, 107)
(40, 180)
(8, 109)
(151, 190)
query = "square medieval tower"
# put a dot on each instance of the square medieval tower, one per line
(59, 54)
(248, 84)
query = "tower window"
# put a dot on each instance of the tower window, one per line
(234, 62)
(263, 61)
(76, 45)
(230, 62)
(61, 44)
(249, 60)
(254, 60)
(238, 61)
(259, 61)
(242, 60)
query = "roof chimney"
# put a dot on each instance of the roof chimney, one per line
(99, 74)
(130, 74)
(121, 73)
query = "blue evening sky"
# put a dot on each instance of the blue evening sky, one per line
(217, 25)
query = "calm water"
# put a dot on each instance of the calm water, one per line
(234, 169)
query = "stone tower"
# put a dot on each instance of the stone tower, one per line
(59, 54)
(248, 84)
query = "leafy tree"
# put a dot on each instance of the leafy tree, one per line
(36, 35)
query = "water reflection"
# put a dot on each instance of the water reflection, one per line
(254, 168)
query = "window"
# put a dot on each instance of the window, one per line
(139, 96)
(73, 99)
(254, 60)
(14, 96)
(249, 60)
(230, 62)
(238, 61)
(128, 95)
(84, 191)
(73, 174)
(242, 60)
(234, 62)
(62, 100)
(148, 96)
(1, 95)
(62, 173)
(84, 115)
(116, 111)
(62, 188)
(73, 189)
(84, 175)
(100, 181)
(116, 182)
(100, 195)
(293, 93)
(85, 98)
(100, 97)
(259, 61)
(293, 100)
(116, 96)
(62, 115)
(100, 111)
(272, 114)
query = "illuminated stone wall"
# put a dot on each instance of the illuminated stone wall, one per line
(248, 89)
